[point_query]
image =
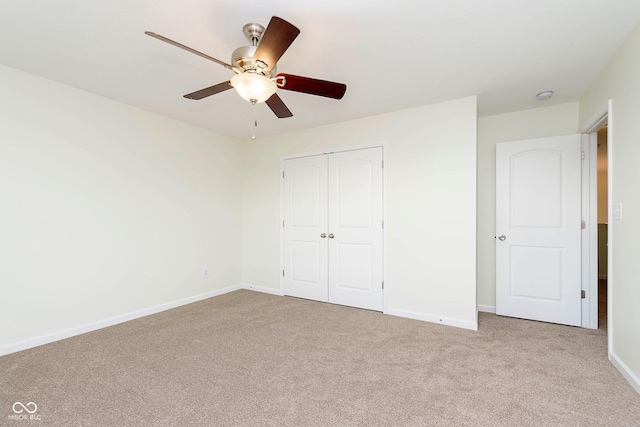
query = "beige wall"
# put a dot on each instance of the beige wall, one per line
(107, 209)
(537, 123)
(620, 82)
(430, 168)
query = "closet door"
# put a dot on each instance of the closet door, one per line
(305, 222)
(355, 228)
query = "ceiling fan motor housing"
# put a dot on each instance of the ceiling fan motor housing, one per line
(242, 58)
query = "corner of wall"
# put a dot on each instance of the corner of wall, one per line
(627, 373)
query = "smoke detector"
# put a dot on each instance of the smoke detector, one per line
(544, 95)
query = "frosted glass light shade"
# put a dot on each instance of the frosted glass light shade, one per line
(254, 88)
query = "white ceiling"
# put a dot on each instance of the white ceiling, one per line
(391, 54)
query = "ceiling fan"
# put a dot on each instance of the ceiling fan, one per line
(256, 78)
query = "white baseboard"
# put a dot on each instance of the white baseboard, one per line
(625, 371)
(487, 308)
(262, 289)
(93, 326)
(433, 319)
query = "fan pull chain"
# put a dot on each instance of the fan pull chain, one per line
(255, 125)
(255, 122)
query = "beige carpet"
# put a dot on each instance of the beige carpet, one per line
(251, 359)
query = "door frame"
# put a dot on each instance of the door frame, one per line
(339, 149)
(590, 215)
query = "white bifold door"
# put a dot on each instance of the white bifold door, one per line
(333, 228)
(538, 228)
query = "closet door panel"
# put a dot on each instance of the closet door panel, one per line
(355, 227)
(305, 220)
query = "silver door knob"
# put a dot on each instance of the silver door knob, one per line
(323, 235)
(331, 236)
(502, 237)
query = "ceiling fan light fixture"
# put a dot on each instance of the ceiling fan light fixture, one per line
(253, 87)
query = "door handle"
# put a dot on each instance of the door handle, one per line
(323, 235)
(502, 237)
(331, 236)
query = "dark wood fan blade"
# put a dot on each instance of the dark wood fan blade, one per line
(208, 91)
(311, 86)
(278, 107)
(275, 40)
(188, 49)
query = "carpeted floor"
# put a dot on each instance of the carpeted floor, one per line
(251, 359)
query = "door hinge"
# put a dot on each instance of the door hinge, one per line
(583, 294)
(583, 155)
(383, 284)
(383, 164)
(382, 223)
(282, 273)
(283, 174)
(283, 224)
(583, 224)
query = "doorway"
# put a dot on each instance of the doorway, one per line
(596, 303)
(603, 223)
(598, 280)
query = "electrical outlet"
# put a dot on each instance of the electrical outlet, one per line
(205, 273)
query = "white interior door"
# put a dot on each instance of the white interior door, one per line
(305, 221)
(355, 227)
(538, 229)
(333, 240)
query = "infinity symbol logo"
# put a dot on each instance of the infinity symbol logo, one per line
(26, 407)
